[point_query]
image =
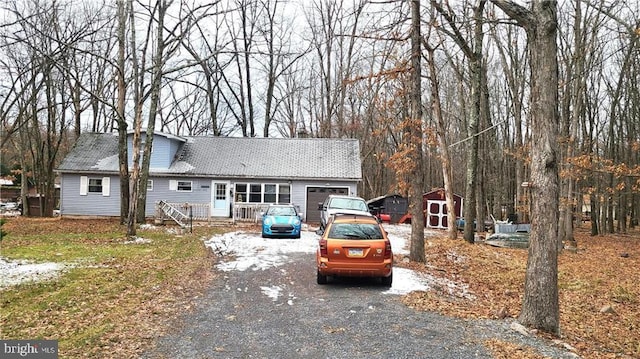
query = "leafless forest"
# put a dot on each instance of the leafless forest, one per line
(331, 68)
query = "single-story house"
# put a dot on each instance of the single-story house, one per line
(227, 177)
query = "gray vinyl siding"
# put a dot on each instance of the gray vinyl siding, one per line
(91, 204)
(95, 204)
(200, 192)
(162, 154)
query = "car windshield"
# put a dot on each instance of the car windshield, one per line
(355, 231)
(281, 211)
(349, 203)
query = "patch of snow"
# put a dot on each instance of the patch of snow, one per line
(406, 281)
(399, 237)
(251, 251)
(14, 272)
(138, 240)
(272, 292)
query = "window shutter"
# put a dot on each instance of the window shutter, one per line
(84, 185)
(106, 188)
(173, 185)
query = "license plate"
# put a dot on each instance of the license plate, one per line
(356, 252)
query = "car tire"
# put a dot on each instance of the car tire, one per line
(387, 281)
(321, 279)
(264, 235)
(297, 236)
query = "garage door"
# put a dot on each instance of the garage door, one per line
(317, 195)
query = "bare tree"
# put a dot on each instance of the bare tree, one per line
(413, 138)
(474, 53)
(443, 147)
(123, 156)
(540, 308)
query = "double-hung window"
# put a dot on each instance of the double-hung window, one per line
(97, 185)
(184, 186)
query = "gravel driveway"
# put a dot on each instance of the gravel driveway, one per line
(280, 312)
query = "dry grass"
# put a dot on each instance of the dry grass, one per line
(602, 273)
(117, 301)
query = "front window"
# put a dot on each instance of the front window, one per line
(95, 185)
(241, 192)
(263, 193)
(184, 186)
(284, 193)
(269, 193)
(255, 193)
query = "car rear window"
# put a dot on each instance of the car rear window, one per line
(355, 231)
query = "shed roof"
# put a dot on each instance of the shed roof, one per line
(308, 158)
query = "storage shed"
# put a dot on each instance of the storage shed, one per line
(394, 205)
(435, 206)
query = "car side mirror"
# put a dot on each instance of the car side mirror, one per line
(319, 232)
(319, 206)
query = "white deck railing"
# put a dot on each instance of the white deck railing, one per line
(241, 212)
(248, 212)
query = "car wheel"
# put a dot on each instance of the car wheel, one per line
(321, 279)
(297, 236)
(264, 235)
(386, 281)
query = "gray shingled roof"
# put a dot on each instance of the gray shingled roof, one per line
(311, 158)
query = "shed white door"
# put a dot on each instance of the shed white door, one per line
(220, 199)
(437, 214)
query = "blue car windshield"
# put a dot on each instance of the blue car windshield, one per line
(281, 211)
(355, 231)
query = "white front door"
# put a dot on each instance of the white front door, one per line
(220, 199)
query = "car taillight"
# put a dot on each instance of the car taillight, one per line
(323, 248)
(387, 250)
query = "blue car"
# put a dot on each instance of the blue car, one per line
(281, 221)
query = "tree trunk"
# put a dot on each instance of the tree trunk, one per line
(540, 308)
(123, 156)
(158, 63)
(445, 157)
(414, 137)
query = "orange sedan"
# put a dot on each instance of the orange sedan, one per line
(355, 246)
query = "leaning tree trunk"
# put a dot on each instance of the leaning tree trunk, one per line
(445, 156)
